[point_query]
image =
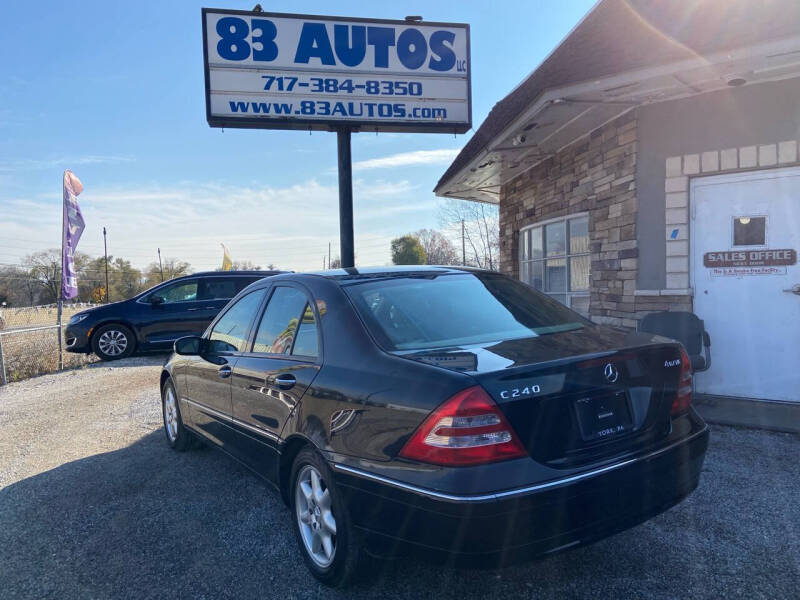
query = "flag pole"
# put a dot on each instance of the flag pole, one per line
(61, 285)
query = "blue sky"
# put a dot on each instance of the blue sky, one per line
(114, 91)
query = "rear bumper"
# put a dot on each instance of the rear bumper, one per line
(518, 524)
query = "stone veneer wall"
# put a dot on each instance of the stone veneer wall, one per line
(594, 175)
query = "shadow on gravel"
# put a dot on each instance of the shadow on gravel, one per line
(137, 360)
(146, 522)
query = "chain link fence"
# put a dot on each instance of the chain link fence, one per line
(29, 341)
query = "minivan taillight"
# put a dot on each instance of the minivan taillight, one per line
(683, 397)
(467, 429)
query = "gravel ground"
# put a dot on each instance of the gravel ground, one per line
(94, 505)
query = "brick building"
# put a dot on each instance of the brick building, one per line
(650, 163)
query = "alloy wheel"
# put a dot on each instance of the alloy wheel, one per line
(170, 414)
(112, 342)
(313, 508)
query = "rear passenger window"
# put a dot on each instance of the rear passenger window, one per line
(305, 342)
(280, 321)
(218, 288)
(242, 282)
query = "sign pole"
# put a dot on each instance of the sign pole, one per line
(408, 76)
(346, 244)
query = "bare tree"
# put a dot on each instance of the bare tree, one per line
(43, 272)
(172, 268)
(17, 288)
(439, 250)
(481, 226)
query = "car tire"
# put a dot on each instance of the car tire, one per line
(319, 512)
(113, 342)
(178, 437)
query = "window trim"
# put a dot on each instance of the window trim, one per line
(310, 301)
(566, 256)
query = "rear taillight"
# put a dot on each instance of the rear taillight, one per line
(468, 429)
(683, 398)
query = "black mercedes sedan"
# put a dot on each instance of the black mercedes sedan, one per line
(443, 412)
(152, 320)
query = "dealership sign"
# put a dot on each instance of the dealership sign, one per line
(281, 71)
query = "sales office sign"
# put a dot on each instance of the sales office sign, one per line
(749, 262)
(282, 71)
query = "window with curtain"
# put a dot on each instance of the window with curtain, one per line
(554, 258)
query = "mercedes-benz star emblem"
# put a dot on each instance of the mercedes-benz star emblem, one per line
(611, 373)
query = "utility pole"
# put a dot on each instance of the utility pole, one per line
(105, 251)
(463, 245)
(160, 267)
(329, 255)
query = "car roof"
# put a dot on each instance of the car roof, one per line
(229, 273)
(396, 271)
(346, 277)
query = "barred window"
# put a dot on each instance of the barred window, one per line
(554, 258)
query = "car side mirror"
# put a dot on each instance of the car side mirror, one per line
(156, 300)
(190, 345)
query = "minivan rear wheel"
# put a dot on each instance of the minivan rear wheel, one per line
(112, 342)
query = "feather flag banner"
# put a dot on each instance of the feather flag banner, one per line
(226, 259)
(73, 226)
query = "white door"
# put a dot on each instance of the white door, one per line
(743, 231)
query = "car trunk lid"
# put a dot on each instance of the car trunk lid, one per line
(579, 397)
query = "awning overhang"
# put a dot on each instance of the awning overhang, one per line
(558, 117)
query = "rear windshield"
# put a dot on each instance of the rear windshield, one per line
(415, 313)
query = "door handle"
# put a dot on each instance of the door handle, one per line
(795, 289)
(285, 382)
(224, 372)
